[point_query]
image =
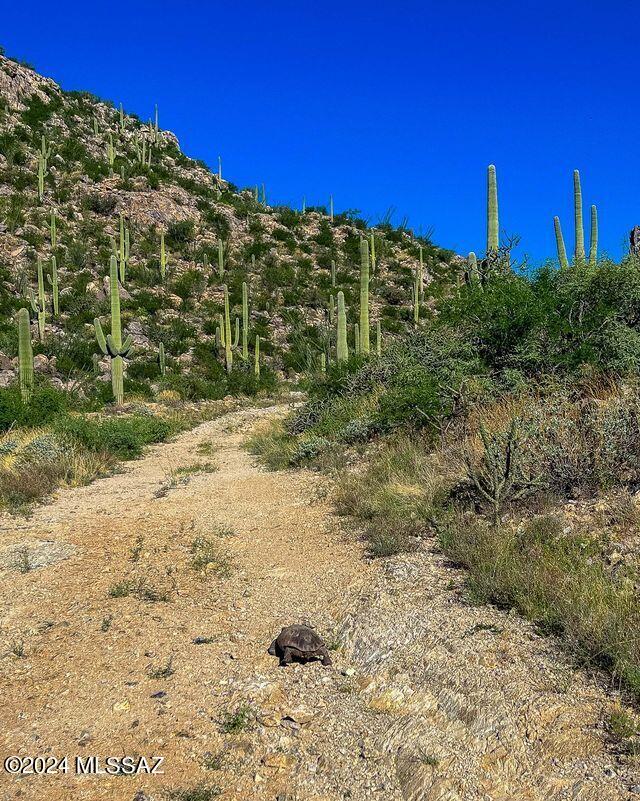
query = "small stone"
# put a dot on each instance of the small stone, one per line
(121, 706)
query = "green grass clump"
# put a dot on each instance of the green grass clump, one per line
(123, 437)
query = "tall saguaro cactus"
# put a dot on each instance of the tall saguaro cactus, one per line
(562, 251)
(364, 297)
(112, 345)
(493, 229)
(39, 306)
(220, 258)
(331, 207)
(162, 359)
(378, 339)
(163, 258)
(593, 244)
(416, 294)
(333, 272)
(245, 321)
(342, 349)
(421, 275)
(52, 229)
(256, 363)
(25, 355)
(577, 212)
(53, 281)
(228, 351)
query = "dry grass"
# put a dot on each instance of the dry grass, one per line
(558, 581)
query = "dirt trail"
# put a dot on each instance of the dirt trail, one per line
(428, 698)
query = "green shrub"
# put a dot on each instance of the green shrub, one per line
(124, 437)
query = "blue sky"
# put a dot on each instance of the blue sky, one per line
(382, 104)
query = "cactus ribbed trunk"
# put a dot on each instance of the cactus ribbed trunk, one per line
(577, 211)
(25, 355)
(364, 297)
(356, 339)
(593, 244)
(53, 280)
(472, 267)
(378, 339)
(333, 272)
(416, 294)
(560, 248)
(421, 277)
(492, 210)
(220, 259)
(163, 258)
(256, 364)
(245, 321)
(228, 352)
(342, 349)
(162, 359)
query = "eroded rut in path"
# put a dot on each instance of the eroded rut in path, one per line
(428, 698)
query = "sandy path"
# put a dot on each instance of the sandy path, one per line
(81, 690)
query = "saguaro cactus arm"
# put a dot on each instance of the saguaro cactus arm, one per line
(562, 251)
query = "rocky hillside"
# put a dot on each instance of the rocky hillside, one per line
(80, 180)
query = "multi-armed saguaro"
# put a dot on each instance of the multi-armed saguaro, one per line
(112, 345)
(228, 351)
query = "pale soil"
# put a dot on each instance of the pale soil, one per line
(428, 698)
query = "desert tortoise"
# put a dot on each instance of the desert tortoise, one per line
(299, 642)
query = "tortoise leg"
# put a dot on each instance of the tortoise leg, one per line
(287, 656)
(326, 659)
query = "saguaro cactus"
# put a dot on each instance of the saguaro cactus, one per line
(421, 275)
(39, 306)
(228, 352)
(372, 252)
(163, 258)
(25, 355)
(472, 267)
(333, 272)
(220, 258)
(593, 245)
(53, 281)
(331, 207)
(562, 251)
(219, 168)
(162, 362)
(236, 336)
(356, 339)
(493, 229)
(332, 309)
(245, 321)
(112, 345)
(577, 211)
(256, 363)
(364, 297)
(378, 339)
(342, 348)
(111, 152)
(52, 229)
